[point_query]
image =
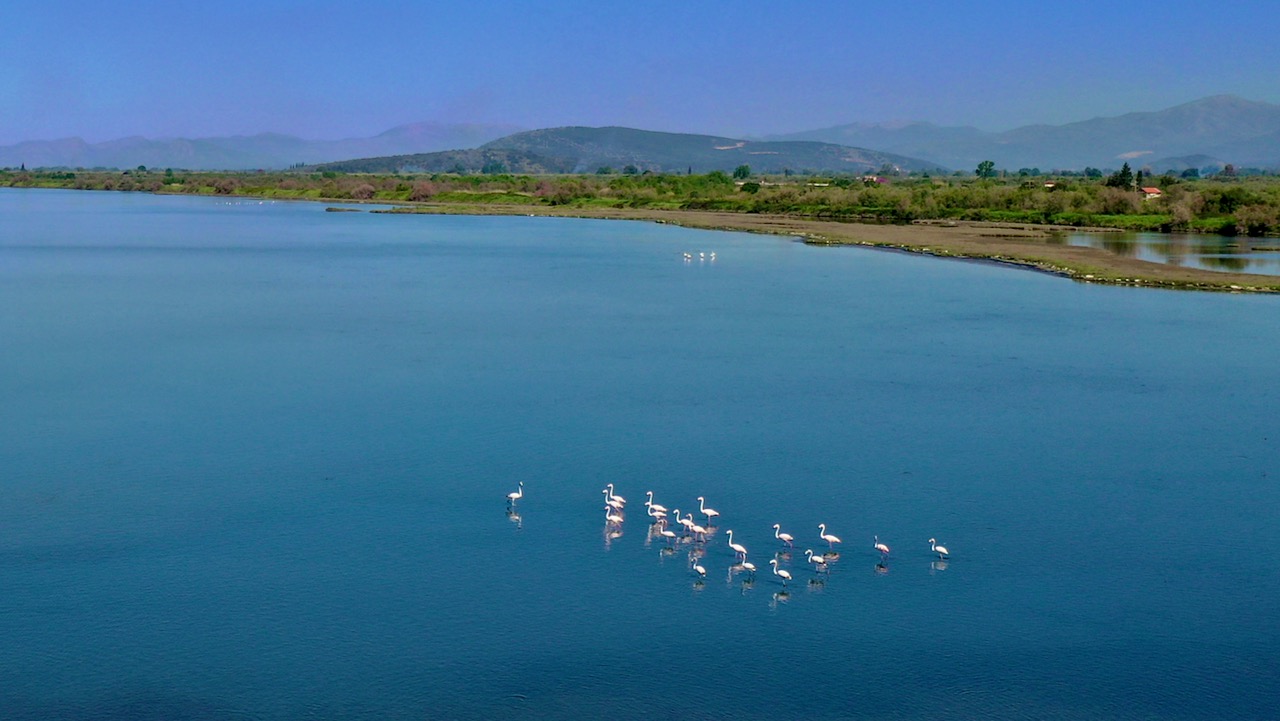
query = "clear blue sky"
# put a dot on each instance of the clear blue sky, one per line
(327, 69)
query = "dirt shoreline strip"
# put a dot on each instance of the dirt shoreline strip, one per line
(1025, 246)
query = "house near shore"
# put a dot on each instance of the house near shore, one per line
(1149, 193)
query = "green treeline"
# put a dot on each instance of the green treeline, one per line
(1221, 204)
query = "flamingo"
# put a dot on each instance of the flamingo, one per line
(653, 505)
(710, 513)
(686, 522)
(611, 517)
(940, 550)
(883, 549)
(612, 502)
(737, 547)
(656, 515)
(667, 534)
(698, 531)
(697, 567)
(613, 496)
(819, 563)
(784, 574)
(516, 495)
(830, 539)
(778, 534)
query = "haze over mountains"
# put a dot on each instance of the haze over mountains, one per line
(1204, 133)
(265, 150)
(1210, 131)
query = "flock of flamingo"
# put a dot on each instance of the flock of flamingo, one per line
(697, 535)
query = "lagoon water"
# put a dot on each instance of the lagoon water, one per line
(254, 463)
(1232, 254)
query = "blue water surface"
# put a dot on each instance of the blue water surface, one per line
(254, 461)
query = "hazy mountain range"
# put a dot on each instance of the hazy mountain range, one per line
(1211, 131)
(1205, 133)
(266, 150)
(585, 150)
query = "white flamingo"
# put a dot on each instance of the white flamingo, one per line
(653, 505)
(940, 550)
(609, 501)
(830, 539)
(738, 548)
(778, 534)
(784, 574)
(613, 496)
(883, 549)
(710, 513)
(667, 534)
(611, 517)
(698, 531)
(819, 563)
(697, 567)
(656, 515)
(516, 495)
(686, 522)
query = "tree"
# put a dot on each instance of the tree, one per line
(1092, 173)
(751, 187)
(631, 170)
(1191, 173)
(742, 172)
(604, 170)
(986, 169)
(1122, 178)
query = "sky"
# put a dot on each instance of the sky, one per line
(328, 70)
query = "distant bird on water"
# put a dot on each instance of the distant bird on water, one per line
(940, 550)
(615, 497)
(819, 563)
(883, 549)
(738, 548)
(784, 574)
(516, 495)
(710, 513)
(697, 568)
(778, 534)
(830, 539)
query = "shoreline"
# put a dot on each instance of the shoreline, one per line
(1014, 245)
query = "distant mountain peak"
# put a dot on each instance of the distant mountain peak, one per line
(1227, 126)
(590, 148)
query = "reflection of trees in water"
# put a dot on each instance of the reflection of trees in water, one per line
(1211, 252)
(1176, 249)
(1124, 246)
(1224, 262)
